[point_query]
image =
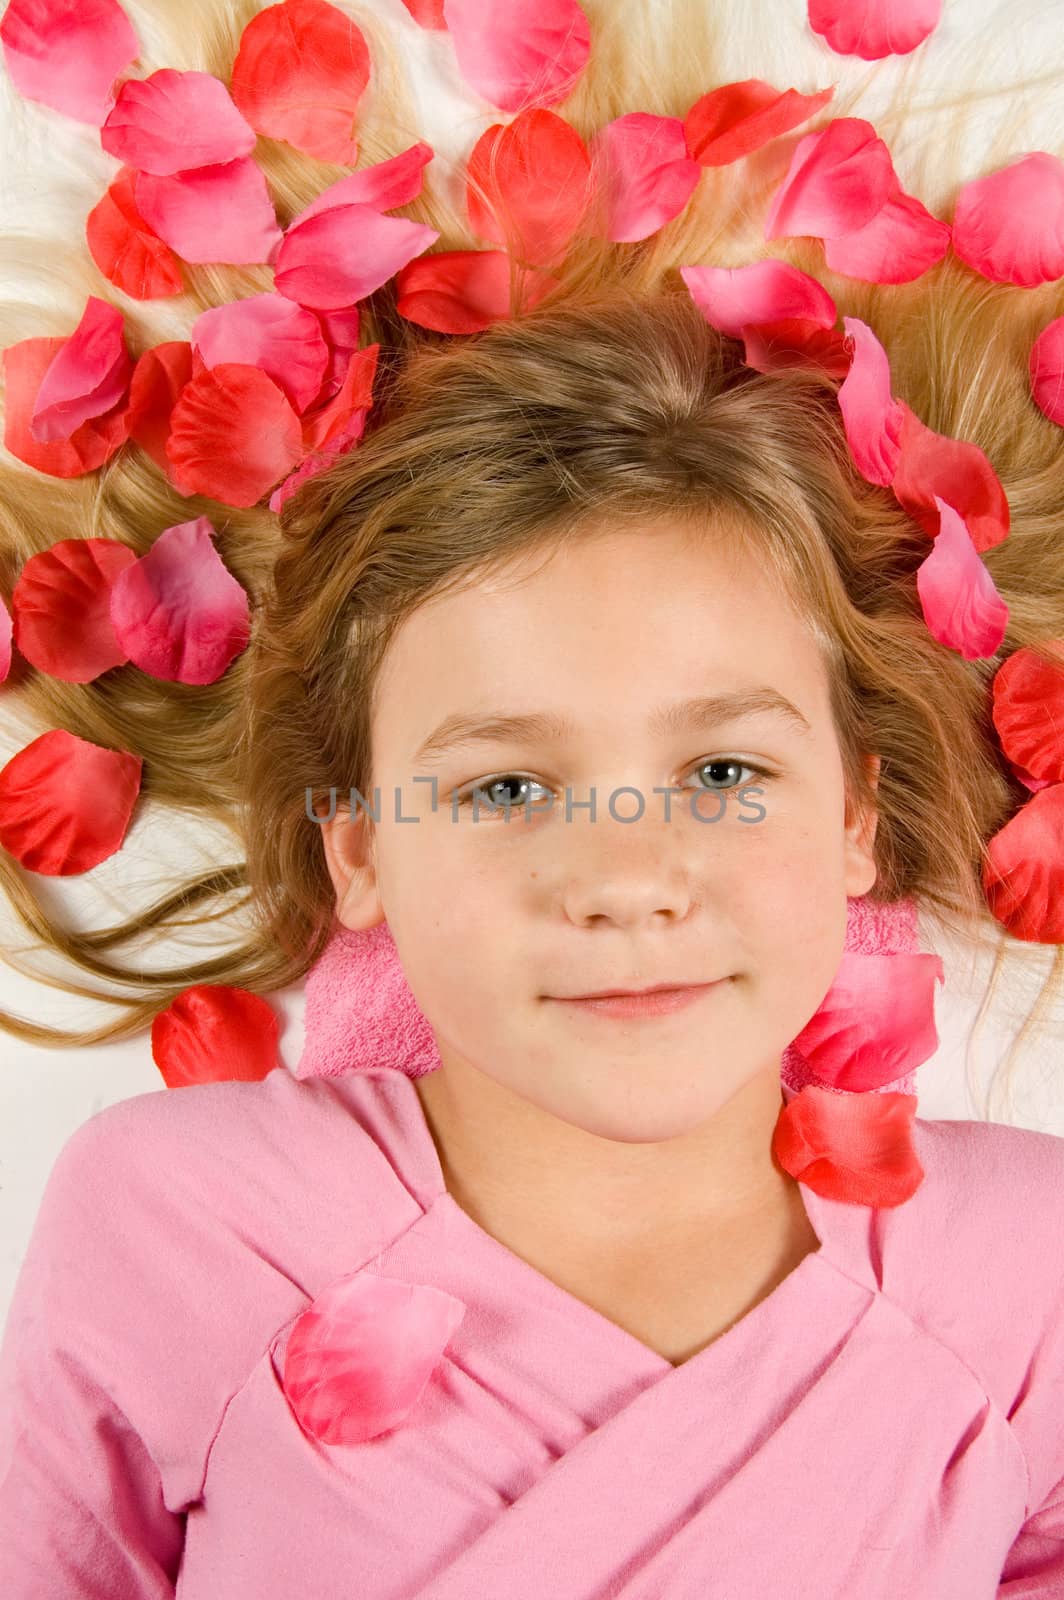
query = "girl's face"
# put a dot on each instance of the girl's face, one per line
(496, 919)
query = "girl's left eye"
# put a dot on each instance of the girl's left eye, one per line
(485, 786)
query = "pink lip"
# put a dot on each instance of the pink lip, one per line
(657, 1003)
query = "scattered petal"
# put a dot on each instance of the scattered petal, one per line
(529, 185)
(773, 346)
(233, 434)
(67, 53)
(838, 179)
(1009, 226)
(1028, 711)
(213, 1033)
(1047, 371)
(341, 331)
(427, 13)
(65, 804)
(221, 214)
(464, 291)
(125, 249)
(5, 641)
(88, 375)
(931, 465)
(901, 242)
(88, 447)
(343, 254)
(960, 602)
(158, 378)
(871, 417)
(856, 1148)
(61, 607)
(1023, 876)
(359, 1358)
(172, 121)
(873, 29)
(267, 331)
(300, 71)
(876, 1022)
(739, 118)
(642, 175)
(338, 423)
(519, 53)
(388, 184)
(734, 298)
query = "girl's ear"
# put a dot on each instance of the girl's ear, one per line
(350, 858)
(860, 837)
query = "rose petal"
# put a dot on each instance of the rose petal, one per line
(529, 184)
(343, 254)
(739, 118)
(267, 331)
(873, 29)
(67, 53)
(338, 422)
(218, 214)
(310, 467)
(1028, 711)
(960, 602)
(5, 641)
(1047, 371)
(1034, 784)
(838, 179)
(178, 612)
(341, 331)
(1023, 876)
(899, 244)
(61, 606)
(300, 71)
(876, 1022)
(464, 291)
(233, 434)
(931, 465)
(125, 249)
(774, 346)
(359, 1358)
(172, 121)
(733, 298)
(641, 174)
(1009, 226)
(856, 1148)
(519, 53)
(390, 183)
(214, 1033)
(88, 375)
(88, 447)
(871, 417)
(427, 13)
(65, 804)
(158, 378)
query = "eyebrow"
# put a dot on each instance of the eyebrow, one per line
(675, 716)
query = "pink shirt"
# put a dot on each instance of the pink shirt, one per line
(885, 1425)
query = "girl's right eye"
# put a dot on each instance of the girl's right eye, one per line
(490, 803)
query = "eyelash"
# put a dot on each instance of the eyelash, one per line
(465, 797)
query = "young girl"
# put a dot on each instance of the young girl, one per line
(639, 660)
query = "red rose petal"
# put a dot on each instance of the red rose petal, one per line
(61, 606)
(520, 53)
(838, 179)
(172, 121)
(158, 378)
(427, 13)
(1009, 226)
(871, 417)
(220, 214)
(876, 1022)
(65, 804)
(67, 53)
(1047, 371)
(384, 186)
(300, 71)
(873, 29)
(463, 291)
(960, 601)
(734, 298)
(1023, 876)
(902, 241)
(856, 1148)
(1028, 711)
(641, 174)
(535, 185)
(233, 434)
(774, 346)
(5, 641)
(341, 331)
(87, 376)
(267, 331)
(739, 118)
(931, 465)
(330, 426)
(214, 1033)
(125, 249)
(341, 255)
(88, 447)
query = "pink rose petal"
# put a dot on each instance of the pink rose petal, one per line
(88, 376)
(871, 416)
(1047, 371)
(876, 1022)
(178, 612)
(388, 184)
(299, 75)
(1009, 226)
(67, 53)
(838, 179)
(960, 602)
(220, 214)
(267, 331)
(734, 298)
(342, 255)
(932, 464)
(873, 29)
(519, 53)
(643, 175)
(172, 121)
(341, 331)
(88, 447)
(5, 641)
(900, 243)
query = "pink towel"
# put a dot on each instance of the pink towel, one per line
(361, 1013)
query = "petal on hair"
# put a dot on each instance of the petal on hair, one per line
(88, 375)
(428, 13)
(773, 346)
(1024, 777)
(221, 214)
(871, 416)
(341, 331)
(342, 255)
(902, 241)
(1009, 226)
(214, 1033)
(873, 29)
(876, 1022)
(267, 331)
(65, 804)
(519, 53)
(87, 448)
(178, 612)
(61, 607)
(857, 1148)
(739, 118)
(1028, 711)
(67, 53)
(172, 121)
(529, 185)
(960, 601)
(300, 71)
(734, 298)
(359, 1358)
(5, 641)
(233, 434)
(464, 291)
(1047, 371)
(642, 175)
(125, 249)
(310, 467)
(931, 465)
(390, 183)
(338, 423)
(1023, 876)
(838, 179)
(158, 378)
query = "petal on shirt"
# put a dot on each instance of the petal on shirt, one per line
(67, 53)
(873, 29)
(213, 1033)
(61, 608)
(1009, 226)
(734, 298)
(300, 72)
(959, 599)
(1028, 711)
(267, 331)
(87, 448)
(124, 247)
(901, 242)
(1047, 371)
(88, 375)
(857, 1148)
(220, 214)
(519, 53)
(359, 1358)
(1023, 876)
(65, 804)
(333, 259)
(838, 179)
(739, 118)
(642, 175)
(529, 185)
(876, 1022)
(178, 612)
(871, 416)
(932, 465)
(233, 434)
